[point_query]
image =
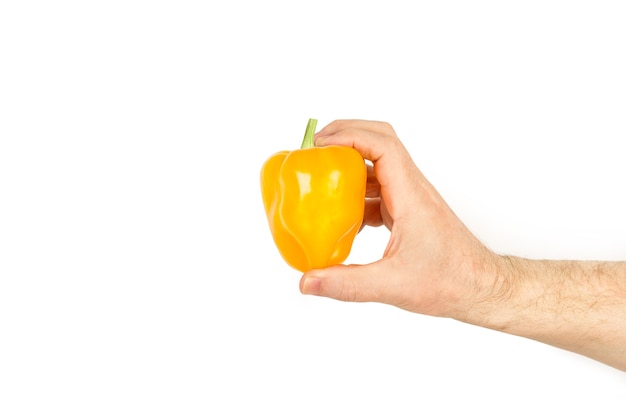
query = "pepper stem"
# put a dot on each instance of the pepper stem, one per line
(307, 142)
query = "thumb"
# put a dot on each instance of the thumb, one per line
(345, 282)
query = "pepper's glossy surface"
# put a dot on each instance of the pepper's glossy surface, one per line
(314, 200)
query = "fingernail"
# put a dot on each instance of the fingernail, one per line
(320, 140)
(310, 286)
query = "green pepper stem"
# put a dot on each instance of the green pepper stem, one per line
(307, 142)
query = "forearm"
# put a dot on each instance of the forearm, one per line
(578, 306)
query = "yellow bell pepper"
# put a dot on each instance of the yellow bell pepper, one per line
(314, 199)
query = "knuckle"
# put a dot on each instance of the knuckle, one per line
(348, 291)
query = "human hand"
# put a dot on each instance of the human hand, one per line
(432, 263)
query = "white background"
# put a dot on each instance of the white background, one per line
(137, 272)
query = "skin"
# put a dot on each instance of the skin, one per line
(434, 265)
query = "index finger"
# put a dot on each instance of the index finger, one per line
(371, 125)
(372, 139)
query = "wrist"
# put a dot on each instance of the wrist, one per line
(494, 292)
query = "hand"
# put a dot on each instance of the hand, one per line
(434, 265)
(431, 262)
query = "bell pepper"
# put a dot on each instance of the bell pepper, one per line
(314, 199)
